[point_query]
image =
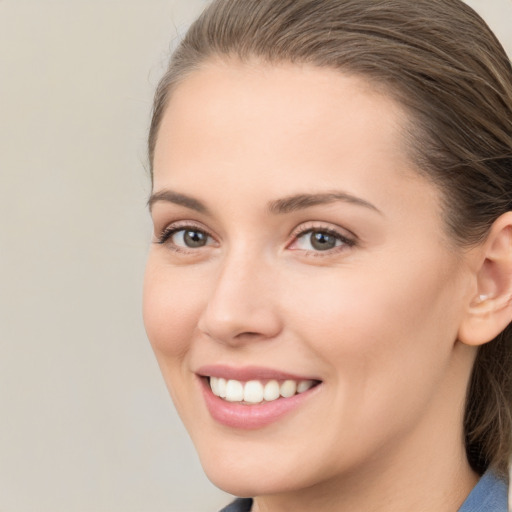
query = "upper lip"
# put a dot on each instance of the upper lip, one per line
(246, 373)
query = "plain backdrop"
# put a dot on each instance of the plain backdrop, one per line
(86, 424)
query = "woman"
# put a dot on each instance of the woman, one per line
(329, 291)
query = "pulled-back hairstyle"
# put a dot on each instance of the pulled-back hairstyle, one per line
(442, 63)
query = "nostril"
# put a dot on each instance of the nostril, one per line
(248, 334)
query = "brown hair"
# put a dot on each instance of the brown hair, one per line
(439, 59)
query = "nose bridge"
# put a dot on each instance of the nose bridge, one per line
(241, 301)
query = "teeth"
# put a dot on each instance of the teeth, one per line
(288, 388)
(304, 385)
(234, 391)
(221, 386)
(214, 384)
(254, 391)
(271, 391)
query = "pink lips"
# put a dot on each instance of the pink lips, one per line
(242, 416)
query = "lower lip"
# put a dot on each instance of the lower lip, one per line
(236, 415)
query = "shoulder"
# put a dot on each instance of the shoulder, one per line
(489, 495)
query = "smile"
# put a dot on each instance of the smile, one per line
(256, 391)
(253, 397)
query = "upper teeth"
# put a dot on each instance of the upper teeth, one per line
(254, 391)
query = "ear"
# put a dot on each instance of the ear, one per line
(490, 309)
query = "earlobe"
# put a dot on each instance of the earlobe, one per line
(490, 310)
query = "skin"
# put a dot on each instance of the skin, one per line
(375, 319)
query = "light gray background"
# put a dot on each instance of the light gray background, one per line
(86, 423)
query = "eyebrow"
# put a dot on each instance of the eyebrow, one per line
(303, 201)
(278, 206)
(177, 198)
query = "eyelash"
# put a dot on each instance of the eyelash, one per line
(169, 231)
(346, 242)
(312, 227)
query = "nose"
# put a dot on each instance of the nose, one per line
(242, 304)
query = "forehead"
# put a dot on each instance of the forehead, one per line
(258, 91)
(283, 124)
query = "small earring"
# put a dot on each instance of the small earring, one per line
(482, 298)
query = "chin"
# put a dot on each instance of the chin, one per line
(245, 479)
(256, 465)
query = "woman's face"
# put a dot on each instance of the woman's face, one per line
(294, 241)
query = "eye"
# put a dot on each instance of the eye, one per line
(191, 238)
(188, 237)
(317, 241)
(320, 240)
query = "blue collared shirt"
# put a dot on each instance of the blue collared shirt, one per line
(490, 494)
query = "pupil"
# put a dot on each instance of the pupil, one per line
(194, 239)
(322, 241)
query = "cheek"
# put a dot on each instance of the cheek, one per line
(380, 332)
(170, 310)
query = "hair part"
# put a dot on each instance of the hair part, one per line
(444, 65)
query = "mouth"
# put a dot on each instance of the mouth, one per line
(252, 398)
(257, 391)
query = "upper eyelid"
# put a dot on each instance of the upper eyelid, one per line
(169, 230)
(307, 227)
(184, 224)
